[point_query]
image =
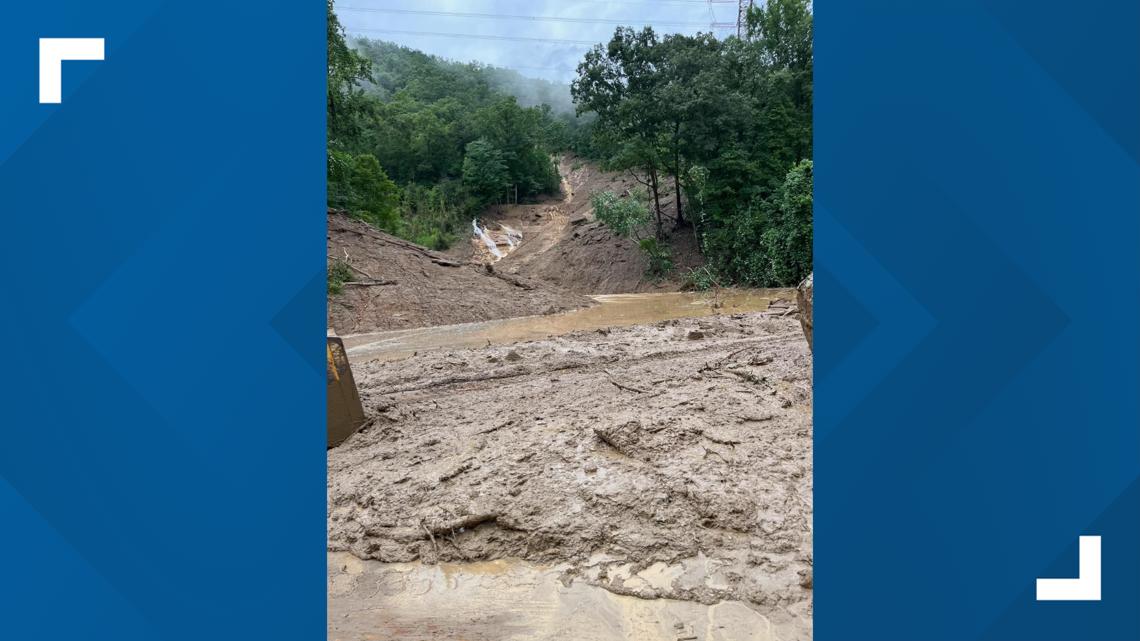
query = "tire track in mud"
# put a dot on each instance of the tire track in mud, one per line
(415, 383)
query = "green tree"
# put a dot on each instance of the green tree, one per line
(787, 242)
(345, 70)
(416, 115)
(618, 83)
(783, 30)
(484, 170)
(359, 185)
(729, 120)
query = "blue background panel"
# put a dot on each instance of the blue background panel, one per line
(977, 353)
(162, 469)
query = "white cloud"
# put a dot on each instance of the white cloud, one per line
(544, 58)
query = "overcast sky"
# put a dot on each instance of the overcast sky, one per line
(542, 57)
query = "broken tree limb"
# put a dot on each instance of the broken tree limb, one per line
(348, 261)
(628, 388)
(605, 438)
(432, 537)
(467, 465)
(360, 283)
(748, 376)
(465, 523)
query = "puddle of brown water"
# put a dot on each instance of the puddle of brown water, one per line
(511, 600)
(614, 310)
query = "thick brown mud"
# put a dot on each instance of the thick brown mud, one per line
(614, 310)
(511, 600)
(667, 461)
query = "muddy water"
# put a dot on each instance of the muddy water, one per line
(615, 310)
(512, 600)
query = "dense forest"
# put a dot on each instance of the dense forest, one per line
(419, 145)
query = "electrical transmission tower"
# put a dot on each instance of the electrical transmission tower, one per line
(742, 17)
(715, 26)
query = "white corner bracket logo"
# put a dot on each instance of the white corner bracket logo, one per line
(53, 51)
(1086, 587)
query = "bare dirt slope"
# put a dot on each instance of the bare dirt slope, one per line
(670, 460)
(418, 287)
(564, 245)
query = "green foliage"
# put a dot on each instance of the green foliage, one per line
(701, 278)
(783, 29)
(345, 70)
(660, 258)
(418, 145)
(359, 185)
(485, 171)
(434, 216)
(626, 217)
(448, 136)
(770, 243)
(787, 242)
(723, 120)
(339, 273)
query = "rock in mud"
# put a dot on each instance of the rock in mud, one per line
(804, 298)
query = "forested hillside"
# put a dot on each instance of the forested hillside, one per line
(419, 145)
(729, 122)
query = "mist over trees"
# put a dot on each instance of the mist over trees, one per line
(419, 145)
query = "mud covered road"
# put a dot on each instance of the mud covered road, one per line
(668, 462)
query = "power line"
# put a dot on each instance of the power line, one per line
(587, 43)
(715, 3)
(502, 16)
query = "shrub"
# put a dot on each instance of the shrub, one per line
(660, 258)
(339, 273)
(625, 216)
(787, 242)
(701, 278)
(359, 185)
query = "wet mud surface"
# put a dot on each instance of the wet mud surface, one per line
(667, 461)
(610, 311)
(510, 600)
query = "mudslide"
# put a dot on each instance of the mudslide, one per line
(563, 245)
(398, 285)
(636, 467)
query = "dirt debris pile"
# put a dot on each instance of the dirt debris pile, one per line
(402, 285)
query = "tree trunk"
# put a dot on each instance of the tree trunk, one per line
(677, 174)
(677, 187)
(656, 202)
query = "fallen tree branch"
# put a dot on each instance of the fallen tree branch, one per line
(467, 465)
(432, 537)
(605, 438)
(618, 385)
(348, 261)
(465, 523)
(360, 283)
